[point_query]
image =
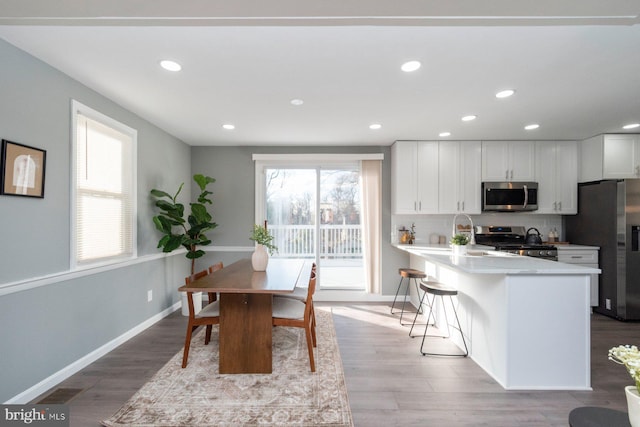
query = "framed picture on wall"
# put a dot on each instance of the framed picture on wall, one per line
(22, 170)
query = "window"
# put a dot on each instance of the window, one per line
(315, 213)
(103, 188)
(314, 207)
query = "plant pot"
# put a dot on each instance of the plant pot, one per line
(197, 303)
(633, 405)
(459, 250)
(260, 258)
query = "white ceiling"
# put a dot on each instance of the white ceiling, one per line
(574, 64)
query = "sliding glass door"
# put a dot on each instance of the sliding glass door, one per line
(315, 213)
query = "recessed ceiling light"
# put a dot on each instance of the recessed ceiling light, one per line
(410, 66)
(228, 126)
(297, 101)
(375, 126)
(505, 93)
(444, 134)
(631, 126)
(469, 118)
(532, 126)
(170, 65)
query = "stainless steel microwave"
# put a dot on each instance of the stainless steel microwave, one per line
(509, 196)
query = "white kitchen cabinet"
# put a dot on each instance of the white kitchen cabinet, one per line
(459, 177)
(414, 177)
(621, 156)
(610, 156)
(557, 176)
(582, 255)
(508, 161)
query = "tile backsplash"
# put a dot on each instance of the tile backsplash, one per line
(426, 225)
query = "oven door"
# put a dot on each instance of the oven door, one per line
(509, 196)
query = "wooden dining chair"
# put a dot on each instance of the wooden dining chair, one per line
(298, 314)
(300, 294)
(208, 316)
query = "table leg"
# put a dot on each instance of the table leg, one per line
(245, 333)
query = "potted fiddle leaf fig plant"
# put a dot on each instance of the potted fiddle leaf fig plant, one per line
(264, 242)
(188, 233)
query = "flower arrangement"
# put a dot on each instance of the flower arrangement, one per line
(261, 236)
(460, 239)
(629, 356)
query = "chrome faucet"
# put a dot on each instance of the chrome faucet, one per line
(472, 240)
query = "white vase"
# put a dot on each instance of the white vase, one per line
(197, 303)
(633, 405)
(459, 249)
(260, 258)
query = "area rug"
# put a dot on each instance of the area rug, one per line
(291, 396)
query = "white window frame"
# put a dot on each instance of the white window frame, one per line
(76, 109)
(301, 161)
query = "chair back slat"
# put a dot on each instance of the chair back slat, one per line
(215, 267)
(310, 291)
(196, 276)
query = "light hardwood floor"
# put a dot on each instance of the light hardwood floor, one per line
(389, 382)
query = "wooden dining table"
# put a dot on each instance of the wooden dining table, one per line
(246, 296)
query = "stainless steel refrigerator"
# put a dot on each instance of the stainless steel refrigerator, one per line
(609, 217)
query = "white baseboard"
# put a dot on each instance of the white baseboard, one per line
(327, 295)
(51, 381)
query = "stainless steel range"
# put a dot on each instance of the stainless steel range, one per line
(512, 239)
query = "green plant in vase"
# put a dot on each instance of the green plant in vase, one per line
(460, 239)
(261, 236)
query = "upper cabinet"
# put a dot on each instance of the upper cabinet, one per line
(557, 176)
(508, 160)
(414, 177)
(445, 177)
(612, 156)
(459, 177)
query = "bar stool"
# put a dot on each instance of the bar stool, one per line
(423, 282)
(441, 290)
(410, 274)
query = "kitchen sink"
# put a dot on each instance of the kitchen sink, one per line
(479, 253)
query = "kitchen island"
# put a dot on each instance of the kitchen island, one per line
(526, 320)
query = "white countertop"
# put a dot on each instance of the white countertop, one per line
(484, 260)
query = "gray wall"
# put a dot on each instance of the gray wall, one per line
(47, 328)
(234, 201)
(44, 329)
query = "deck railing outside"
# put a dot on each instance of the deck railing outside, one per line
(336, 241)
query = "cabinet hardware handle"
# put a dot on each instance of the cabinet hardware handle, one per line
(576, 256)
(420, 205)
(458, 206)
(463, 206)
(506, 174)
(511, 174)
(560, 206)
(555, 206)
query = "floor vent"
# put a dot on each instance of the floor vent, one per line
(60, 396)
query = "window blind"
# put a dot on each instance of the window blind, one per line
(104, 191)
